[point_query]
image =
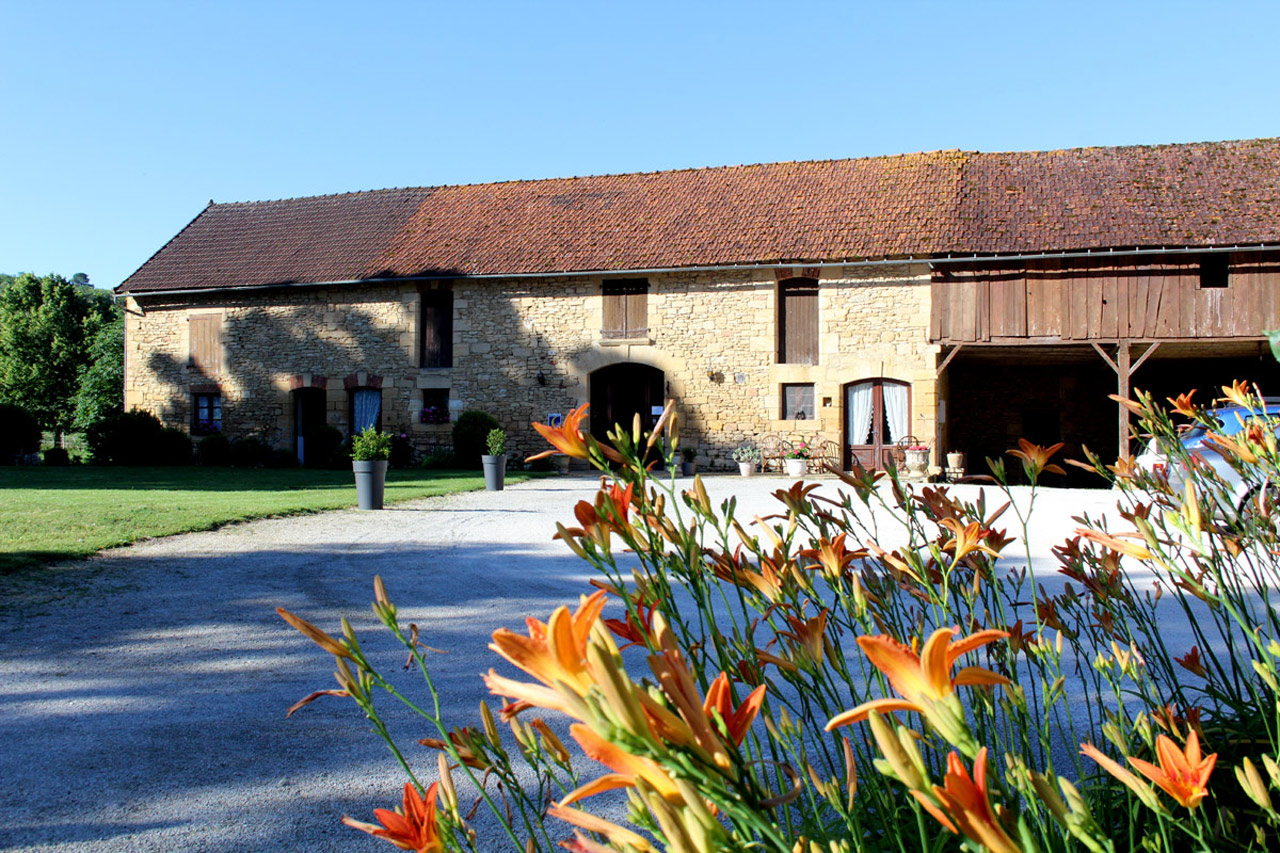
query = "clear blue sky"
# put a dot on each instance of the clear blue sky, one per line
(123, 119)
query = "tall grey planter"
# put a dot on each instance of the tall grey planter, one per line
(371, 481)
(495, 471)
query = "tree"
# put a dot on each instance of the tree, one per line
(45, 326)
(101, 391)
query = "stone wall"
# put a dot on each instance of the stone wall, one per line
(714, 336)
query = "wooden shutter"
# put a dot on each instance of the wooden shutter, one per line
(798, 321)
(435, 327)
(626, 308)
(206, 344)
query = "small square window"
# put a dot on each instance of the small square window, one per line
(435, 406)
(207, 411)
(1214, 271)
(797, 403)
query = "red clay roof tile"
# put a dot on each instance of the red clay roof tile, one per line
(826, 211)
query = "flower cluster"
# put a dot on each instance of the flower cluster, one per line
(433, 415)
(813, 681)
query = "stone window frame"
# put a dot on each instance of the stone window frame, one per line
(789, 406)
(206, 400)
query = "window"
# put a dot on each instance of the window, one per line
(1214, 271)
(626, 308)
(366, 409)
(435, 406)
(435, 328)
(797, 403)
(205, 354)
(207, 409)
(798, 321)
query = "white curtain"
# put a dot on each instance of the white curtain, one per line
(368, 405)
(896, 411)
(858, 404)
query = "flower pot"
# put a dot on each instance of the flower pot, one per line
(495, 472)
(917, 462)
(688, 468)
(561, 461)
(796, 467)
(747, 468)
(371, 480)
(955, 460)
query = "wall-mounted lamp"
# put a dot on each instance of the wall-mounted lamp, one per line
(542, 378)
(715, 376)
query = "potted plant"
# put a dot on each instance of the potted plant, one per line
(370, 451)
(748, 458)
(917, 460)
(495, 463)
(955, 459)
(796, 460)
(689, 466)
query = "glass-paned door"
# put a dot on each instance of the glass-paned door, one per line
(877, 415)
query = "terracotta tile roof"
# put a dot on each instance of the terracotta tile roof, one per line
(827, 211)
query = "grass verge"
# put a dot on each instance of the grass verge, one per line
(70, 513)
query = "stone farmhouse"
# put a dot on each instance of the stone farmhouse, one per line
(963, 299)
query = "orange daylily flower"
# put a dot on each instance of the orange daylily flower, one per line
(568, 438)
(1238, 392)
(924, 678)
(1192, 663)
(1182, 774)
(736, 720)
(1182, 404)
(625, 766)
(808, 635)
(967, 538)
(1116, 543)
(554, 652)
(833, 557)
(1035, 459)
(966, 805)
(467, 742)
(637, 628)
(410, 827)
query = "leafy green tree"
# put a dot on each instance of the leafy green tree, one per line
(45, 327)
(101, 391)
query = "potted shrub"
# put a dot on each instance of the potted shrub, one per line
(495, 462)
(370, 451)
(796, 460)
(748, 458)
(689, 466)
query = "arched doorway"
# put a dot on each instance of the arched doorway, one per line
(877, 415)
(621, 391)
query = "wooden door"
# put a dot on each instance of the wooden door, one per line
(874, 421)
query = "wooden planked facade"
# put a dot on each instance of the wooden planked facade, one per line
(1166, 298)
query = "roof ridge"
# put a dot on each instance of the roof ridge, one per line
(967, 157)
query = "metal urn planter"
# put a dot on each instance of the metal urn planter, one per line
(371, 482)
(495, 472)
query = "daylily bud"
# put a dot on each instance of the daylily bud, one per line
(446, 783)
(311, 632)
(1251, 781)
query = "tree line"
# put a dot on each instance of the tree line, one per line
(61, 350)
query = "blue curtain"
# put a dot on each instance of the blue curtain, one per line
(367, 403)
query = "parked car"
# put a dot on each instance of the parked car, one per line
(1198, 450)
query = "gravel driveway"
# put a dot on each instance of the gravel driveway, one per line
(142, 694)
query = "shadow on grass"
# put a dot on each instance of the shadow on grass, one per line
(195, 478)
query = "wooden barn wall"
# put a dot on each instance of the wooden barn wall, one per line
(1101, 301)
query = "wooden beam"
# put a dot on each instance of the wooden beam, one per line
(1123, 372)
(1105, 357)
(1138, 363)
(947, 360)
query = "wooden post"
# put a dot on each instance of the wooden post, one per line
(1122, 375)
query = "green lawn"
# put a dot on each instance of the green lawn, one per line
(60, 513)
